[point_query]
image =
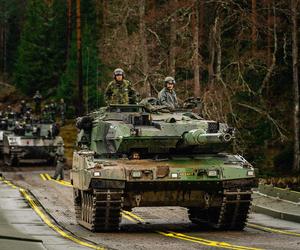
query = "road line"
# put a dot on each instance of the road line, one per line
(48, 177)
(8, 183)
(61, 182)
(47, 220)
(43, 177)
(133, 217)
(205, 242)
(219, 243)
(128, 217)
(273, 230)
(136, 217)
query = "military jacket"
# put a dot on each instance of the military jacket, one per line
(168, 98)
(120, 93)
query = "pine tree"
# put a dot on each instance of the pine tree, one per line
(38, 52)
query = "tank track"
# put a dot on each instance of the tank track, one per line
(231, 215)
(100, 210)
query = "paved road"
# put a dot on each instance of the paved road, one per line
(152, 228)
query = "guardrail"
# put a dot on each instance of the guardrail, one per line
(280, 193)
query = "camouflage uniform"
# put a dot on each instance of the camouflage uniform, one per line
(120, 93)
(62, 109)
(37, 98)
(59, 171)
(168, 98)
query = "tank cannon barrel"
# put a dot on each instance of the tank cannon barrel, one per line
(199, 136)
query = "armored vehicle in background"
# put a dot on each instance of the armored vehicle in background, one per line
(133, 155)
(7, 125)
(37, 142)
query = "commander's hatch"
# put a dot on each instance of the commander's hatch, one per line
(129, 113)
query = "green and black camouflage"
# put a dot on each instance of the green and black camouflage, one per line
(120, 93)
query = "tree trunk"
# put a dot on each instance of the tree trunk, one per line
(80, 109)
(144, 52)
(196, 60)
(269, 33)
(295, 83)
(69, 27)
(173, 35)
(254, 26)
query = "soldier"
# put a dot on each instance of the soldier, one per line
(10, 114)
(62, 110)
(53, 110)
(120, 91)
(8, 111)
(59, 171)
(23, 108)
(27, 118)
(46, 116)
(37, 98)
(167, 95)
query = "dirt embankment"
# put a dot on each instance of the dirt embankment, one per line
(9, 96)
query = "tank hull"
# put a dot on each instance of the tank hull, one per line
(29, 149)
(185, 182)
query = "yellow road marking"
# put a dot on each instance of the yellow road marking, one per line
(48, 177)
(54, 227)
(133, 217)
(205, 242)
(9, 183)
(136, 217)
(46, 219)
(61, 182)
(43, 177)
(127, 217)
(273, 230)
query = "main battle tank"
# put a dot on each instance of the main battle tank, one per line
(36, 142)
(131, 156)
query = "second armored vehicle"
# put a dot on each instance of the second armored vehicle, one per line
(130, 157)
(31, 142)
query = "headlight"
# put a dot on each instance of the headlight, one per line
(212, 173)
(97, 174)
(136, 174)
(175, 175)
(250, 172)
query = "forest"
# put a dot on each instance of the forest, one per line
(240, 57)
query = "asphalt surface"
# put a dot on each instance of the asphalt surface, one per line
(144, 228)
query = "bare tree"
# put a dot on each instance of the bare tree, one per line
(173, 35)
(79, 104)
(294, 4)
(144, 50)
(254, 26)
(196, 60)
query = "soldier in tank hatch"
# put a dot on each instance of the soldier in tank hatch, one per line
(167, 96)
(120, 91)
